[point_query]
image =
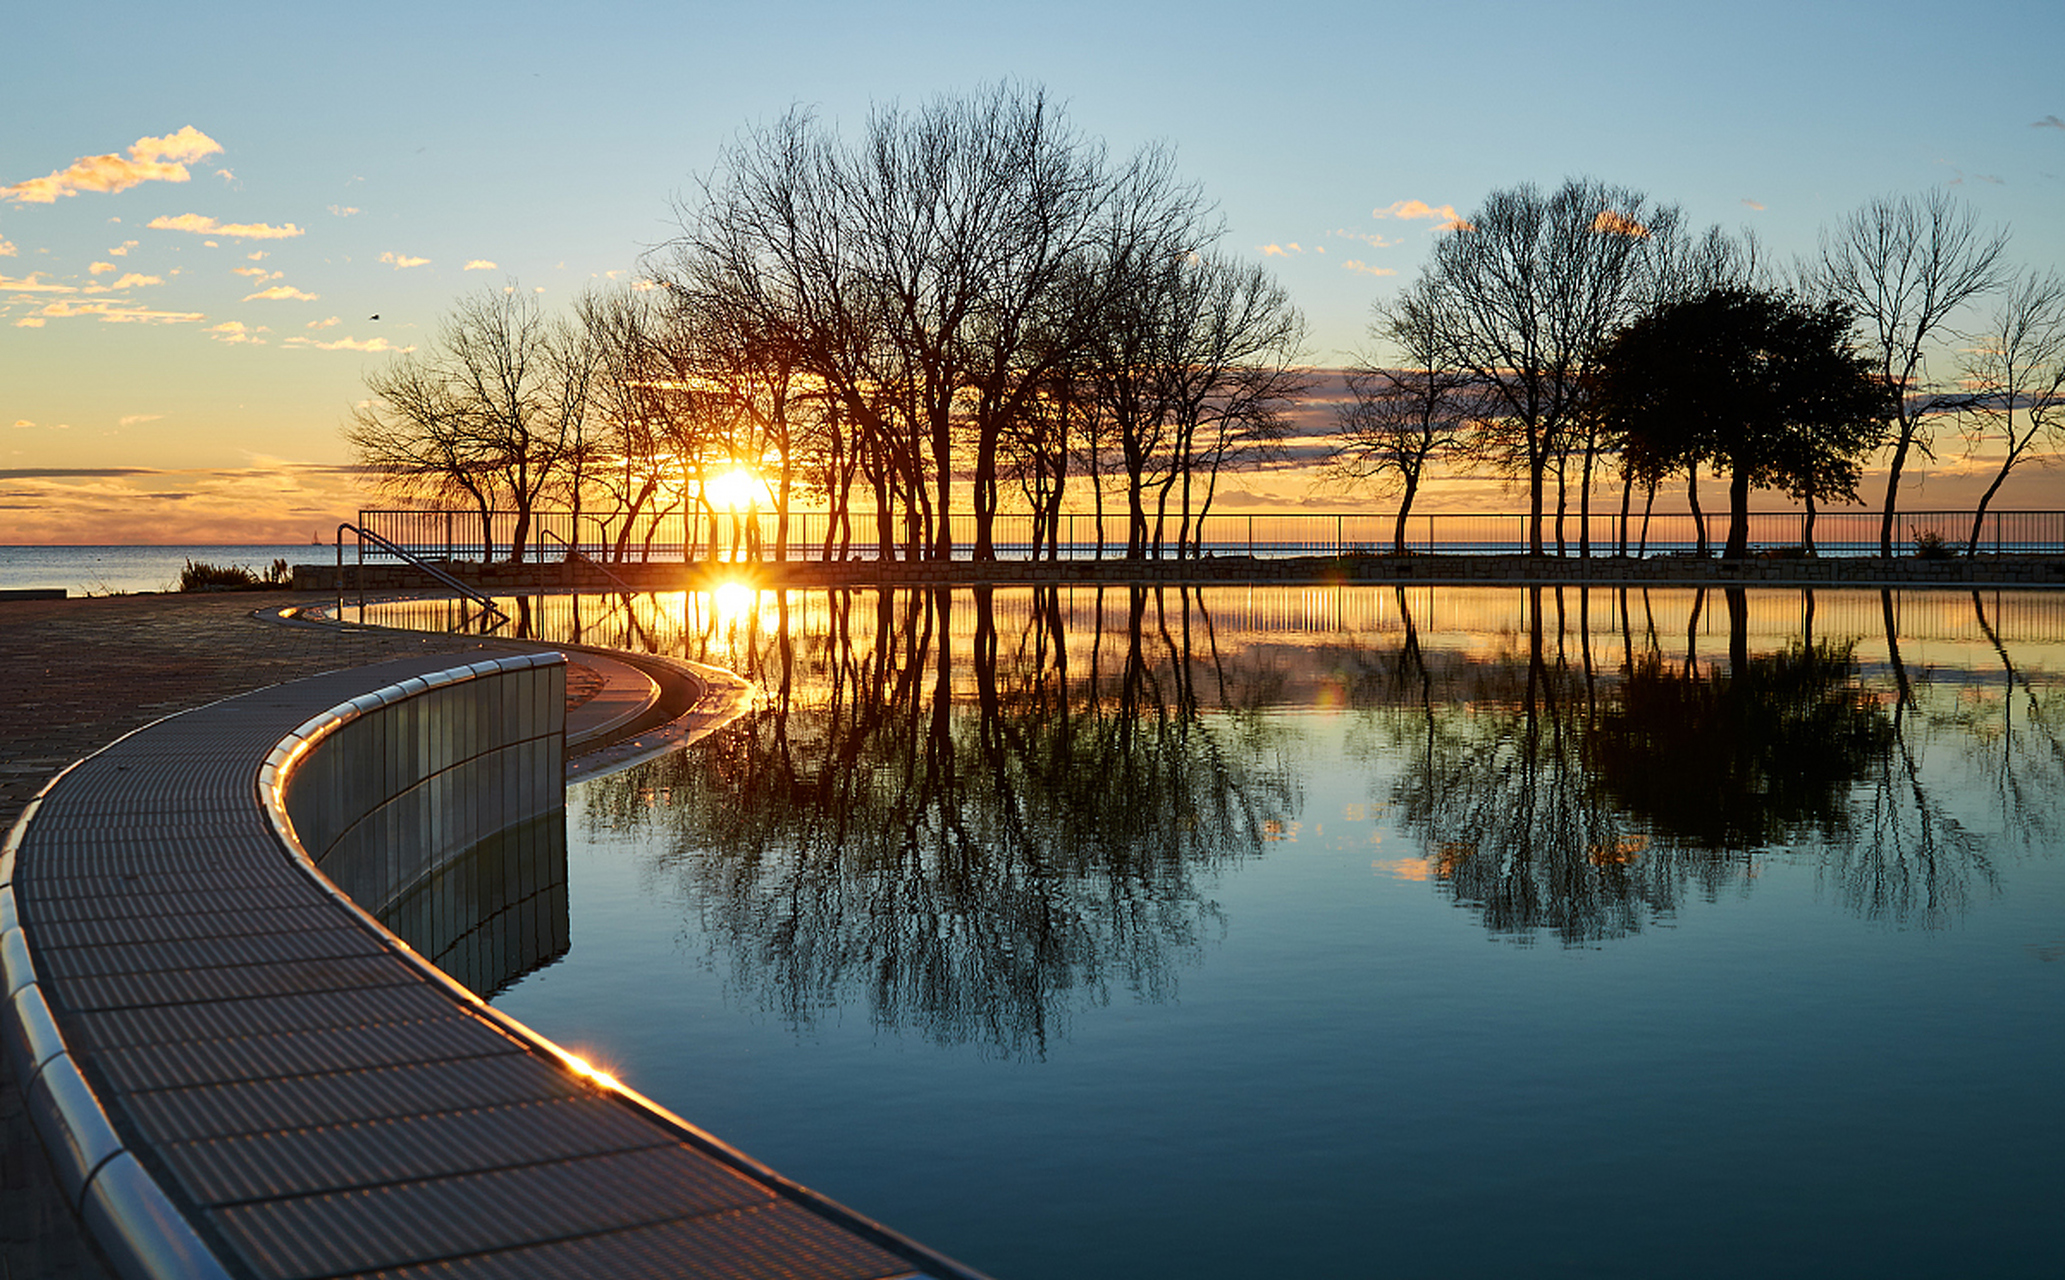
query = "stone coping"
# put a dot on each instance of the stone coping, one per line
(116, 1168)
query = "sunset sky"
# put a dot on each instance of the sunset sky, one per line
(201, 212)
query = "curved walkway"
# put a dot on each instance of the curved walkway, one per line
(314, 1101)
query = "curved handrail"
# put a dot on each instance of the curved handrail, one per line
(364, 535)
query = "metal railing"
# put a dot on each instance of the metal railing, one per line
(362, 535)
(674, 538)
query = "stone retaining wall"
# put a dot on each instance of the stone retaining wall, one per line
(1914, 571)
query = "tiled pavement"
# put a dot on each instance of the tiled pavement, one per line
(75, 675)
(536, 1168)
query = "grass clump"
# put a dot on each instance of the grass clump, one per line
(199, 575)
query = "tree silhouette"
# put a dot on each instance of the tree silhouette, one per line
(1757, 383)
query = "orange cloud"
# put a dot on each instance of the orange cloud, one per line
(122, 250)
(281, 293)
(233, 331)
(402, 261)
(100, 268)
(149, 160)
(1752, 204)
(1368, 270)
(1614, 223)
(202, 225)
(1445, 214)
(7, 249)
(321, 324)
(256, 273)
(479, 264)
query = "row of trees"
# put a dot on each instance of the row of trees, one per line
(1555, 334)
(970, 297)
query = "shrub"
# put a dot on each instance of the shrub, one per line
(199, 575)
(1930, 545)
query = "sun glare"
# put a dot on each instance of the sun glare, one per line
(734, 602)
(735, 490)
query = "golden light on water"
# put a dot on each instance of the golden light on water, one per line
(734, 601)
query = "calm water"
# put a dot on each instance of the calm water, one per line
(1356, 932)
(130, 569)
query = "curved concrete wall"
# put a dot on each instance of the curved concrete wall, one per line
(436, 805)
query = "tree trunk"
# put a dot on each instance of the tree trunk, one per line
(1738, 515)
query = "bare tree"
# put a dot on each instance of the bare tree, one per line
(1399, 420)
(1905, 265)
(632, 403)
(932, 277)
(2017, 369)
(413, 435)
(491, 409)
(1525, 290)
(1230, 368)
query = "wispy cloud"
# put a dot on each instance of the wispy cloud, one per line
(1752, 204)
(348, 343)
(2048, 122)
(345, 210)
(401, 261)
(135, 418)
(34, 283)
(257, 274)
(101, 268)
(1371, 239)
(118, 313)
(122, 250)
(1288, 249)
(29, 322)
(202, 225)
(478, 264)
(7, 249)
(129, 280)
(1368, 270)
(281, 293)
(322, 324)
(149, 160)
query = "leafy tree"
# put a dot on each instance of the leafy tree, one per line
(1763, 386)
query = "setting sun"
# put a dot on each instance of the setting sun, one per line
(735, 490)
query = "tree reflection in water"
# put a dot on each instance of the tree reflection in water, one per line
(976, 838)
(1551, 797)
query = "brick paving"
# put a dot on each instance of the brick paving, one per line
(75, 675)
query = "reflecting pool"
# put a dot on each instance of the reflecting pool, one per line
(1356, 931)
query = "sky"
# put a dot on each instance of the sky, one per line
(202, 212)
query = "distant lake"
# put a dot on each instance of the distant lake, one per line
(111, 570)
(1361, 931)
